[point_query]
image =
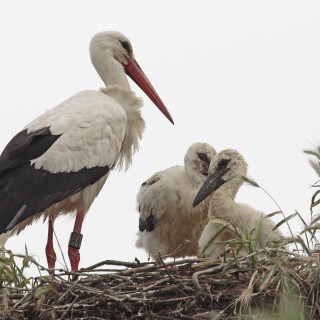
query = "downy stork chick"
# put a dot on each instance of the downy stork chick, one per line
(223, 182)
(167, 217)
(60, 161)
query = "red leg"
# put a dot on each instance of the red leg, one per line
(51, 255)
(75, 241)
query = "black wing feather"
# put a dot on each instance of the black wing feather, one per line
(26, 146)
(24, 190)
(148, 223)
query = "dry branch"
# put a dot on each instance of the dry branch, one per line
(180, 289)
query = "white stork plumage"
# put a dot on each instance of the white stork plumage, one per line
(59, 162)
(225, 177)
(167, 217)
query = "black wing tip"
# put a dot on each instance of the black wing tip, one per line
(142, 225)
(148, 224)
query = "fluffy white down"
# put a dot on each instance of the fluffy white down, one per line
(168, 195)
(224, 210)
(161, 189)
(243, 218)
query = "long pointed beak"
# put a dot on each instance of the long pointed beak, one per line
(134, 71)
(212, 183)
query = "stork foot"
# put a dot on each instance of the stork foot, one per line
(74, 256)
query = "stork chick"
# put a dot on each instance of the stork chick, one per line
(167, 217)
(60, 161)
(223, 182)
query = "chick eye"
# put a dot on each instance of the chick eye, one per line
(223, 163)
(203, 157)
(125, 45)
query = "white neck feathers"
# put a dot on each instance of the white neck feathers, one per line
(222, 202)
(135, 123)
(109, 69)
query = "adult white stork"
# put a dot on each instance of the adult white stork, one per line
(167, 217)
(59, 162)
(225, 177)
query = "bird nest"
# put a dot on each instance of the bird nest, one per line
(275, 284)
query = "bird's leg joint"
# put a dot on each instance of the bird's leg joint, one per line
(75, 240)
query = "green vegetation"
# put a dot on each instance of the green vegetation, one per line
(246, 283)
(11, 275)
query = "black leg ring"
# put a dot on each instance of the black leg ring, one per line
(75, 240)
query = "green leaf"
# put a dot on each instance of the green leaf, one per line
(272, 214)
(315, 202)
(315, 165)
(213, 238)
(315, 219)
(257, 232)
(250, 181)
(312, 153)
(283, 221)
(268, 277)
(301, 218)
(238, 241)
(310, 228)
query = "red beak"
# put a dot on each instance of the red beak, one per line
(134, 71)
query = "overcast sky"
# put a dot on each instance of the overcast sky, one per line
(234, 74)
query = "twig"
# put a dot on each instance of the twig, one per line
(64, 260)
(115, 263)
(196, 275)
(180, 247)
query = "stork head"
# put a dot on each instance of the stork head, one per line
(227, 169)
(112, 56)
(197, 161)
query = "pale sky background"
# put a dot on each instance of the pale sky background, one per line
(235, 74)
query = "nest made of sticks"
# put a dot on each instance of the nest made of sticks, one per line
(276, 284)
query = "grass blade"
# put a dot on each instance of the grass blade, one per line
(213, 238)
(283, 221)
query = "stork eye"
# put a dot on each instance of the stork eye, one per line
(125, 45)
(223, 163)
(203, 157)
